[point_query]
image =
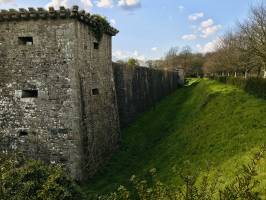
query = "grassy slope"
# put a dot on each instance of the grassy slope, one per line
(207, 121)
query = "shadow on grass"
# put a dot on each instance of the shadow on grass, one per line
(205, 121)
(139, 141)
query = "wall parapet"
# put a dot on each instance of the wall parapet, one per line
(52, 13)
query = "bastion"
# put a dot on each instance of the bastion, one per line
(57, 91)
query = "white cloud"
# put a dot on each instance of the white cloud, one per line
(124, 55)
(113, 22)
(208, 28)
(83, 4)
(138, 56)
(189, 37)
(57, 3)
(6, 1)
(120, 55)
(87, 3)
(196, 16)
(104, 3)
(129, 4)
(208, 47)
(207, 23)
(181, 8)
(154, 48)
(206, 32)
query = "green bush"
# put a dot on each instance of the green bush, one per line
(33, 180)
(254, 86)
(244, 186)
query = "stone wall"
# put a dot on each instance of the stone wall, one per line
(99, 113)
(138, 88)
(57, 94)
(58, 101)
(45, 126)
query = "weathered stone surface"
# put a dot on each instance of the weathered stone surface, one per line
(48, 72)
(57, 91)
(138, 88)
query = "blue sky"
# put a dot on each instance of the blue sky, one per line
(148, 28)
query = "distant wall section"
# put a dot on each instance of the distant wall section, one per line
(138, 88)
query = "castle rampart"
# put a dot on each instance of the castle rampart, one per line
(58, 100)
(57, 94)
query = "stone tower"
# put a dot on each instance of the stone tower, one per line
(57, 92)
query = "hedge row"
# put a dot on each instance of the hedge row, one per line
(254, 86)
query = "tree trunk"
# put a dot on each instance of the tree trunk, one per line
(235, 74)
(258, 73)
(264, 73)
(246, 74)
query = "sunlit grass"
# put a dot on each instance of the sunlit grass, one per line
(204, 122)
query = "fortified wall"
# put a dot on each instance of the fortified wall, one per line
(57, 92)
(138, 88)
(58, 88)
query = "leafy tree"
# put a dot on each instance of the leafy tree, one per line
(132, 62)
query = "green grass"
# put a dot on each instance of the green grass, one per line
(205, 121)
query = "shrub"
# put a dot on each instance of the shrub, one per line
(254, 86)
(33, 180)
(204, 188)
(244, 185)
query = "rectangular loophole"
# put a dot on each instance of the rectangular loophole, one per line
(29, 94)
(96, 45)
(25, 40)
(23, 133)
(95, 91)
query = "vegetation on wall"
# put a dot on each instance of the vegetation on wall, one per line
(132, 62)
(100, 26)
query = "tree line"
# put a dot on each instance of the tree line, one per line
(240, 52)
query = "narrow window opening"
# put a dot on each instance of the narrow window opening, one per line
(25, 40)
(96, 45)
(95, 91)
(23, 133)
(29, 94)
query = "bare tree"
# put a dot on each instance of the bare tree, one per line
(171, 58)
(242, 51)
(253, 33)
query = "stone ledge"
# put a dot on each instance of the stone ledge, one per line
(51, 13)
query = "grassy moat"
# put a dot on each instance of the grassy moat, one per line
(204, 122)
(205, 141)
